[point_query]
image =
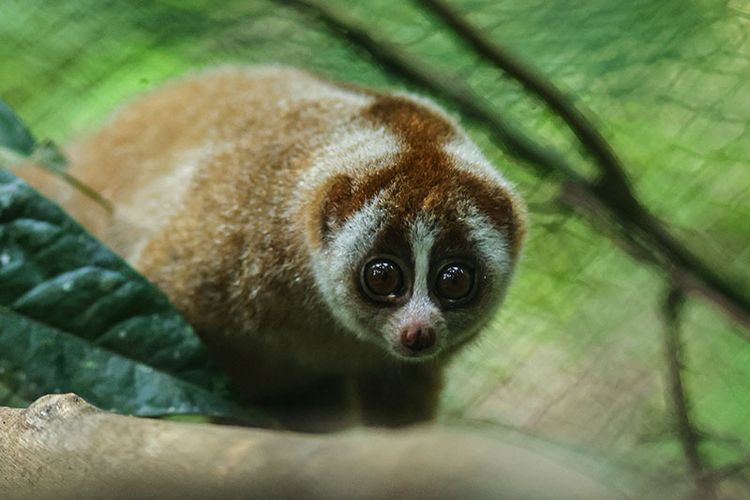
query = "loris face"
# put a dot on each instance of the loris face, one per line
(417, 241)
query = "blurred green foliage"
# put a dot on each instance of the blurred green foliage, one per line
(575, 356)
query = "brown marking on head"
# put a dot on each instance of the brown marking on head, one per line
(423, 179)
(419, 127)
(334, 200)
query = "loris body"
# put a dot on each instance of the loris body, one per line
(309, 231)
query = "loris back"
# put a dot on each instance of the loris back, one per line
(308, 230)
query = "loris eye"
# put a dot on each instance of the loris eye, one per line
(383, 279)
(455, 282)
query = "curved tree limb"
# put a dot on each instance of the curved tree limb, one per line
(612, 191)
(61, 447)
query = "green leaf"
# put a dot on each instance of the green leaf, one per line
(75, 317)
(38, 359)
(13, 133)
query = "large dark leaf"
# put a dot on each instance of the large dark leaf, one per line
(75, 317)
(38, 359)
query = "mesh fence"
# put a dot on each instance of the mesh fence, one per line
(576, 355)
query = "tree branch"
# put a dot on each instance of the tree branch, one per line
(593, 210)
(705, 487)
(727, 471)
(61, 447)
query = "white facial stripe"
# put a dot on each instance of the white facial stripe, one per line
(419, 308)
(422, 238)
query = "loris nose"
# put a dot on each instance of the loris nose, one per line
(418, 337)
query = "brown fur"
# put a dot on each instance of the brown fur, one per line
(427, 176)
(203, 174)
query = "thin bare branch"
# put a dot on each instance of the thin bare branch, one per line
(705, 487)
(730, 470)
(591, 208)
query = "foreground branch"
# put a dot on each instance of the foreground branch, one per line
(61, 447)
(612, 189)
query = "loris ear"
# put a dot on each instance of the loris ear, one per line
(334, 206)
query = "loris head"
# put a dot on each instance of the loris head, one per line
(414, 236)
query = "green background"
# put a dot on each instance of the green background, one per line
(575, 356)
